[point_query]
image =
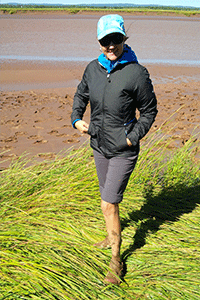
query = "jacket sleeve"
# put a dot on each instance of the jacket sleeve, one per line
(146, 103)
(81, 99)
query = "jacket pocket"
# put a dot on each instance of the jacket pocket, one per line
(115, 139)
(92, 130)
(122, 145)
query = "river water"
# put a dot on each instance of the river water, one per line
(53, 38)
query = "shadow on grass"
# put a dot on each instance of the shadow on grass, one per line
(168, 205)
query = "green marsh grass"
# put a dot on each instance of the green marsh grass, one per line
(50, 217)
(77, 9)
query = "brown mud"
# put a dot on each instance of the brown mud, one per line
(36, 103)
(38, 121)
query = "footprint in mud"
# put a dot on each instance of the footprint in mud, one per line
(181, 127)
(66, 126)
(18, 133)
(6, 147)
(9, 98)
(12, 122)
(10, 139)
(185, 138)
(68, 141)
(46, 155)
(42, 108)
(38, 127)
(33, 137)
(40, 142)
(52, 113)
(19, 122)
(61, 135)
(4, 156)
(53, 132)
(18, 115)
(76, 135)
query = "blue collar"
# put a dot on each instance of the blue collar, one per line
(127, 56)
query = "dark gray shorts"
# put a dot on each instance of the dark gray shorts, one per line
(113, 175)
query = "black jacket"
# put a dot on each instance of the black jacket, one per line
(113, 101)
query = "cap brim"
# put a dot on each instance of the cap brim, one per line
(109, 31)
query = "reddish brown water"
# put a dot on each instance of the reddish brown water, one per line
(73, 38)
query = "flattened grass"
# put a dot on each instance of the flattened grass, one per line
(50, 217)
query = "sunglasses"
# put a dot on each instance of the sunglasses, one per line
(116, 39)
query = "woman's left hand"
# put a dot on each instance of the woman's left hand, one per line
(128, 142)
(82, 126)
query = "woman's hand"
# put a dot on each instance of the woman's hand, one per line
(128, 142)
(82, 126)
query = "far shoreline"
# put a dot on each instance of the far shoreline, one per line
(143, 12)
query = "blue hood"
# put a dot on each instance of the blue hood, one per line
(127, 56)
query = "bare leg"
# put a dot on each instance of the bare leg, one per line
(111, 215)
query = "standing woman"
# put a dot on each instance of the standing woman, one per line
(115, 84)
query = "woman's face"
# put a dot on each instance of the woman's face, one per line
(113, 50)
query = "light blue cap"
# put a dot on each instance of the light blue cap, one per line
(110, 24)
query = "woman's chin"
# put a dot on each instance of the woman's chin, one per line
(111, 56)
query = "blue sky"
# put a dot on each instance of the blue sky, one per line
(195, 3)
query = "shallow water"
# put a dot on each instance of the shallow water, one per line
(88, 59)
(73, 38)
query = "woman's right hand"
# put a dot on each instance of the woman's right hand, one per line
(82, 126)
(128, 142)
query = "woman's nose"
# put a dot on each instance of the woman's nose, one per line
(111, 44)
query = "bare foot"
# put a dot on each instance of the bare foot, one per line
(115, 274)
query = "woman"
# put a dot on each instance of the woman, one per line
(115, 85)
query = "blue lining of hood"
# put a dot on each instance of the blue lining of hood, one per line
(127, 56)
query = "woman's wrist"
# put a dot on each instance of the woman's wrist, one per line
(74, 122)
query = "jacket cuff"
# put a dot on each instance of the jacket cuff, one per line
(73, 123)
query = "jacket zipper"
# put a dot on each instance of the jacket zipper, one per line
(103, 110)
(108, 80)
(125, 124)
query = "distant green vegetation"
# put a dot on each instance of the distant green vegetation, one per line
(50, 217)
(11, 9)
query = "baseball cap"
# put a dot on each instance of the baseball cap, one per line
(110, 24)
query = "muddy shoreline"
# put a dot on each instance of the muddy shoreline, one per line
(36, 98)
(38, 121)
